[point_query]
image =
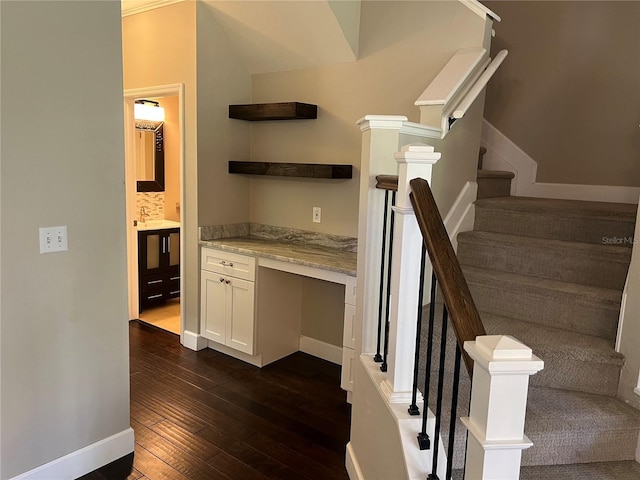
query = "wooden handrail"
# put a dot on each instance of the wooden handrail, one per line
(457, 297)
(387, 182)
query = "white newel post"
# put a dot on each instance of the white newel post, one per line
(414, 160)
(380, 140)
(498, 405)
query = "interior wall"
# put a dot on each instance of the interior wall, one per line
(63, 329)
(322, 311)
(567, 94)
(222, 80)
(159, 48)
(403, 45)
(171, 157)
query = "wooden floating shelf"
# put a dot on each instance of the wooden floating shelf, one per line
(256, 112)
(308, 170)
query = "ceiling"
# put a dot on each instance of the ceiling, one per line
(272, 35)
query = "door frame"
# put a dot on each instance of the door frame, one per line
(176, 89)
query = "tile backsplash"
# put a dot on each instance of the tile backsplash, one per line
(153, 203)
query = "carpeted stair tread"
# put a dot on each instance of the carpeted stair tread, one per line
(571, 220)
(576, 427)
(583, 263)
(570, 306)
(627, 470)
(495, 174)
(624, 211)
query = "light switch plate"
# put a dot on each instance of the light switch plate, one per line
(53, 239)
(317, 214)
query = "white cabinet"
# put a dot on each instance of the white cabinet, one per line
(228, 300)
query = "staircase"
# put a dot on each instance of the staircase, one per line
(539, 270)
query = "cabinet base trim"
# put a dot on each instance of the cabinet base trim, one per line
(194, 341)
(323, 350)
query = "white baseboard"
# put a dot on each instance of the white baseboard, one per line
(461, 216)
(326, 351)
(503, 154)
(85, 460)
(353, 467)
(193, 341)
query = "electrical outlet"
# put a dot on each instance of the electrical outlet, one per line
(317, 214)
(53, 239)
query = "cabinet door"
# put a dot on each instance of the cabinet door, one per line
(241, 326)
(150, 252)
(173, 248)
(213, 307)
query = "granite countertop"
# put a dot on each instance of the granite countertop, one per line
(308, 254)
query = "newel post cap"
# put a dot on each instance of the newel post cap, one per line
(417, 153)
(503, 354)
(383, 122)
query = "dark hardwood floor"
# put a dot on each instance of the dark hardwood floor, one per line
(204, 415)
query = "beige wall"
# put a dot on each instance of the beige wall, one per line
(402, 46)
(63, 318)
(159, 48)
(322, 310)
(171, 157)
(567, 94)
(222, 80)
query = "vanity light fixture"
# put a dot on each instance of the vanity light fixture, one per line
(148, 110)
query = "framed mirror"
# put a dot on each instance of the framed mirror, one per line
(149, 154)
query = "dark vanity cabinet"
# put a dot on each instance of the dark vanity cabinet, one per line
(158, 266)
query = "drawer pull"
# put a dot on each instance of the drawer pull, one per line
(151, 297)
(226, 264)
(174, 278)
(221, 279)
(227, 282)
(174, 292)
(152, 282)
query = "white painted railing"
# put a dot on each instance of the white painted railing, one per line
(456, 87)
(502, 364)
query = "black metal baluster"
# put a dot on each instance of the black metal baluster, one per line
(454, 411)
(423, 436)
(378, 357)
(413, 408)
(443, 350)
(384, 365)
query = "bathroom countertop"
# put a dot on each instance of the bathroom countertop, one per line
(311, 255)
(157, 225)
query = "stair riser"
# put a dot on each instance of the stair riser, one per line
(563, 265)
(589, 377)
(542, 225)
(558, 310)
(494, 187)
(578, 376)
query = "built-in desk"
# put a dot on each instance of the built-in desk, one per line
(251, 296)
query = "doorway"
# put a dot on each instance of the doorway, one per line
(155, 216)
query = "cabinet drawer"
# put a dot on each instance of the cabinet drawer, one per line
(225, 263)
(153, 281)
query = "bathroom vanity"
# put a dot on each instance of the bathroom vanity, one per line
(158, 262)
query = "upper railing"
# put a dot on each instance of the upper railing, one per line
(456, 87)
